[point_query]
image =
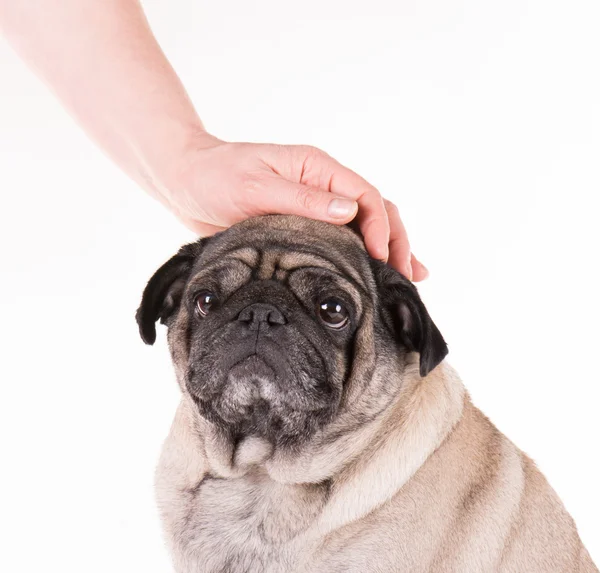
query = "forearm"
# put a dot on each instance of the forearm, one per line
(104, 64)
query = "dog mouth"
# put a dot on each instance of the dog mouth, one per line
(252, 377)
(259, 395)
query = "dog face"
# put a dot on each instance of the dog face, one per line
(274, 321)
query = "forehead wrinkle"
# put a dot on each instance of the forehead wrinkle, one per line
(290, 235)
(247, 255)
(238, 271)
(293, 261)
(269, 263)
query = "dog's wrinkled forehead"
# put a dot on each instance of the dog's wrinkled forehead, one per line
(282, 259)
(273, 245)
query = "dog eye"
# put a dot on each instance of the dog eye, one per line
(333, 314)
(204, 302)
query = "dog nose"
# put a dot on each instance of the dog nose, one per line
(258, 313)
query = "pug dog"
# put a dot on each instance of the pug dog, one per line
(320, 429)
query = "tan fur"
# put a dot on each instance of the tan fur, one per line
(408, 477)
(434, 487)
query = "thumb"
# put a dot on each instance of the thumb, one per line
(287, 198)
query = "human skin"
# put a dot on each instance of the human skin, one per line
(105, 66)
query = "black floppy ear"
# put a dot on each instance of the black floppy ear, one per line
(409, 317)
(162, 294)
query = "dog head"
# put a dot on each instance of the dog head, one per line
(279, 324)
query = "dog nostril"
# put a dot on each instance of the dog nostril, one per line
(261, 313)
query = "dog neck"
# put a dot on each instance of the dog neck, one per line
(365, 466)
(424, 415)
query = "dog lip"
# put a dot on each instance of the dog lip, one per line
(250, 356)
(261, 356)
(255, 385)
(250, 366)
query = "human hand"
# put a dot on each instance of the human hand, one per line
(222, 183)
(107, 68)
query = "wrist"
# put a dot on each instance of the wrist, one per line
(164, 168)
(200, 139)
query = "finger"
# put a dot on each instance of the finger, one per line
(284, 197)
(374, 226)
(400, 257)
(420, 272)
(326, 173)
(372, 217)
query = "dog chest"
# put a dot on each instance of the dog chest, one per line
(250, 524)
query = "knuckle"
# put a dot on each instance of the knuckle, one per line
(371, 195)
(310, 152)
(308, 149)
(306, 199)
(251, 184)
(278, 149)
(390, 207)
(374, 221)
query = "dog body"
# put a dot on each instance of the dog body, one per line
(320, 429)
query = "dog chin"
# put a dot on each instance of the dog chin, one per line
(249, 382)
(252, 402)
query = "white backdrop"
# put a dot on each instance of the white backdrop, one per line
(480, 119)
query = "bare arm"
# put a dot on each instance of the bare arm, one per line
(105, 66)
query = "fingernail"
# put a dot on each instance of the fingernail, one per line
(341, 208)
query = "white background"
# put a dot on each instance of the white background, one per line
(480, 119)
